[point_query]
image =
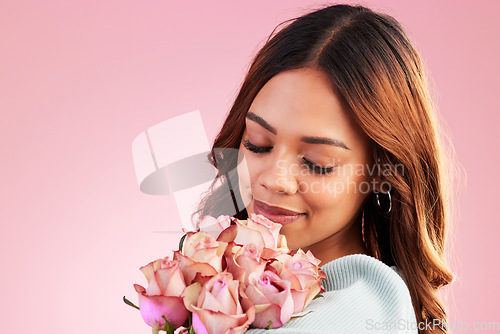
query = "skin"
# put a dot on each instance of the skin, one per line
(299, 103)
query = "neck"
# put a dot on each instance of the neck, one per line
(345, 242)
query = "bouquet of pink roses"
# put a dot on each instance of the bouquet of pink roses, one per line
(228, 276)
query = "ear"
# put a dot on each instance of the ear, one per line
(378, 177)
(379, 182)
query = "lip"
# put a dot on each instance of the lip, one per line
(275, 213)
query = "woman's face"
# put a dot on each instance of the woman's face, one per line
(306, 164)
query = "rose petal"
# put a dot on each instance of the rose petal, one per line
(289, 276)
(299, 300)
(313, 291)
(247, 235)
(209, 302)
(213, 226)
(269, 253)
(190, 268)
(209, 322)
(153, 287)
(228, 234)
(250, 313)
(170, 280)
(204, 255)
(312, 259)
(221, 295)
(267, 313)
(227, 298)
(201, 279)
(267, 227)
(282, 244)
(240, 265)
(272, 298)
(191, 294)
(255, 295)
(193, 240)
(149, 269)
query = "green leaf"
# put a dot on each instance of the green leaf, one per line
(270, 326)
(155, 331)
(129, 303)
(319, 295)
(181, 242)
(168, 327)
(191, 330)
(299, 316)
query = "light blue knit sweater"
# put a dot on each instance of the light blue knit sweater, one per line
(363, 295)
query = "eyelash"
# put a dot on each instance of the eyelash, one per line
(317, 169)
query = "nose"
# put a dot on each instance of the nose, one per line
(278, 176)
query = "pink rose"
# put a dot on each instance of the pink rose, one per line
(214, 226)
(162, 298)
(204, 248)
(258, 230)
(282, 248)
(216, 308)
(304, 274)
(194, 271)
(272, 298)
(243, 260)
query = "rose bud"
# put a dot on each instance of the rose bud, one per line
(258, 230)
(201, 247)
(272, 298)
(243, 260)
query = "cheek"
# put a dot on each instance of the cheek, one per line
(320, 195)
(245, 168)
(249, 166)
(335, 196)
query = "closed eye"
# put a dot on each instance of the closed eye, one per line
(317, 169)
(256, 149)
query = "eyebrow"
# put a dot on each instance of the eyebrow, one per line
(259, 120)
(306, 139)
(324, 140)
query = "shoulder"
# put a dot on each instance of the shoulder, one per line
(353, 271)
(363, 295)
(369, 281)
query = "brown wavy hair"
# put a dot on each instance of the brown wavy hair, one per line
(379, 76)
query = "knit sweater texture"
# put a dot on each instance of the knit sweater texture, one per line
(363, 295)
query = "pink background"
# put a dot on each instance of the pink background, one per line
(79, 80)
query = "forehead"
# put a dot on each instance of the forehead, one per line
(302, 102)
